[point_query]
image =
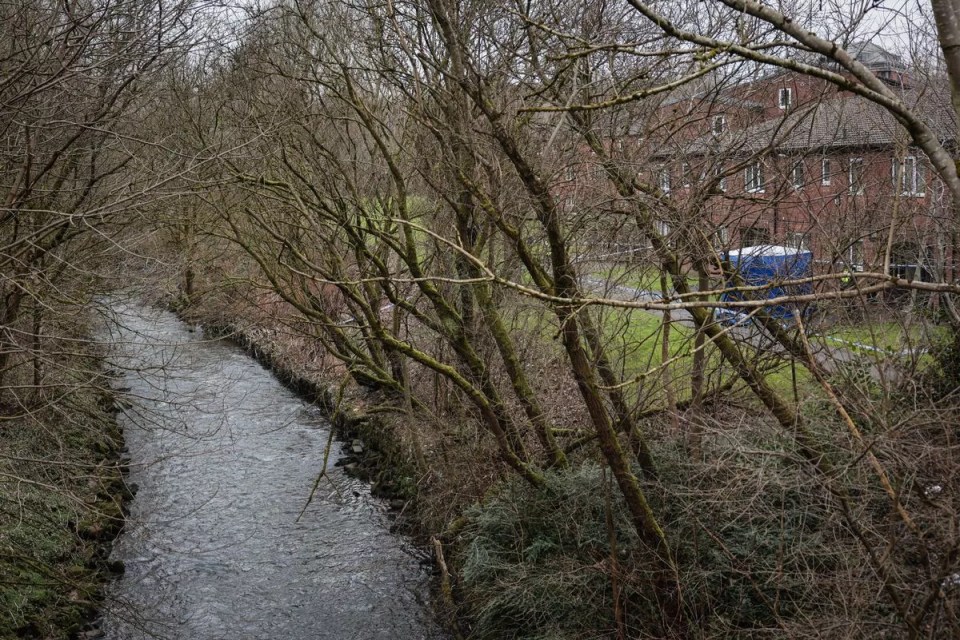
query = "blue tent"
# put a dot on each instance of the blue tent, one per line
(762, 265)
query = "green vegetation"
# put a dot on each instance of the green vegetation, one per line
(637, 276)
(889, 338)
(634, 340)
(535, 563)
(61, 496)
(539, 563)
(262, 163)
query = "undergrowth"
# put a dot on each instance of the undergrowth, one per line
(536, 563)
(539, 564)
(61, 497)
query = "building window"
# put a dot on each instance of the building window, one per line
(908, 176)
(663, 180)
(754, 236)
(797, 240)
(721, 179)
(753, 179)
(853, 256)
(719, 125)
(855, 174)
(797, 175)
(568, 174)
(825, 171)
(785, 98)
(721, 237)
(686, 174)
(662, 227)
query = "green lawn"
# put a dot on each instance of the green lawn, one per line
(644, 277)
(634, 344)
(886, 338)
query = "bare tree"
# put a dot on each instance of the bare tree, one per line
(422, 188)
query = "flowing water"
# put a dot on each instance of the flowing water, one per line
(225, 459)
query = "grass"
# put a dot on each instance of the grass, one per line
(889, 338)
(60, 506)
(634, 343)
(781, 379)
(532, 561)
(633, 338)
(637, 340)
(642, 277)
(540, 563)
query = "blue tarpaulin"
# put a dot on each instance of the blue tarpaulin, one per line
(762, 265)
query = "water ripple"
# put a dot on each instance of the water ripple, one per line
(225, 457)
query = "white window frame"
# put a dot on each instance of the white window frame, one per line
(753, 178)
(797, 240)
(856, 188)
(785, 92)
(851, 255)
(663, 179)
(722, 179)
(721, 237)
(798, 170)
(825, 171)
(908, 180)
(720, 120)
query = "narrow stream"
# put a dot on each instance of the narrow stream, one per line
(225, 458)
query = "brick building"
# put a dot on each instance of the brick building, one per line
(789, 159)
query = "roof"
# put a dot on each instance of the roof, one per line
(875, 56)
(765, 251)
(733, 101)
(842, 120)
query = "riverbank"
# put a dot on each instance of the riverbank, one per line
(62, 500)
(507, 563)
(563, 560)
